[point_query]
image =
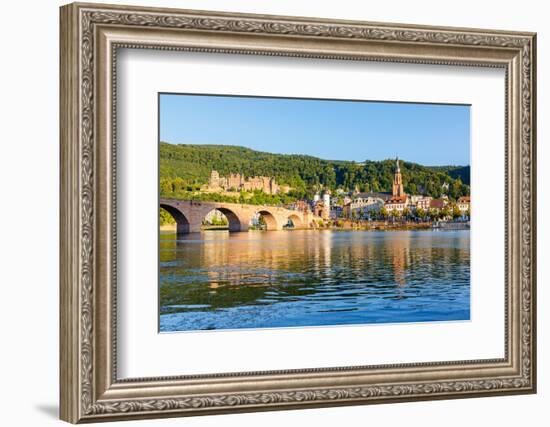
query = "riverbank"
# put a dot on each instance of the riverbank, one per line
(173, 227)
(396, 225)
(168, 227)
(363, 226)
(379, 225)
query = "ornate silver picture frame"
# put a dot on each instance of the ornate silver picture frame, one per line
(91, 34)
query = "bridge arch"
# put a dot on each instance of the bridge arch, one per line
(232, 218)
(182, 223)
(271, 221)
(296, 221)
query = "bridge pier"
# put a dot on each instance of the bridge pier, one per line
(182, 228)
(195, 227)
(243, 226)
(234, 226)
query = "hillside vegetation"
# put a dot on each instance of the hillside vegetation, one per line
(184, 168)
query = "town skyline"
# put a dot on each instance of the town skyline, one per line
(350, 204)
(339, 130)
(323, 208)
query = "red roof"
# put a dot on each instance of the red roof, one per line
(437, 203)
(398, 200)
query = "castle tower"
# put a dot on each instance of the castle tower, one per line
(326, 199)
(273, 186)
(397, 188)
(214, 180)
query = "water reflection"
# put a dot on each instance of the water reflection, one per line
(222, 280)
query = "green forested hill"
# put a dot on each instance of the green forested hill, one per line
(462, 172)
(190, 166)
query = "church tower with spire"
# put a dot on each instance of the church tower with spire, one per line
(397, 188)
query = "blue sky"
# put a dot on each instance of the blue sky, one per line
(429, 134)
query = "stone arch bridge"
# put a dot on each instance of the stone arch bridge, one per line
(189, 215)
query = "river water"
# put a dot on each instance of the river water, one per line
(272, 279)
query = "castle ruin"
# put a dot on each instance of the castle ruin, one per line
(238, 182)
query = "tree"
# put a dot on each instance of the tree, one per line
(421, 213)
(445, 212)
(166, 188)
(395, 213)
(384, 213)
(456, 212)
(178, 185)
(406, 212)
(165, 218)
(455, 190)
(433, 214)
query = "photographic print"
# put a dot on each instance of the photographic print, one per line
(288, 212)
